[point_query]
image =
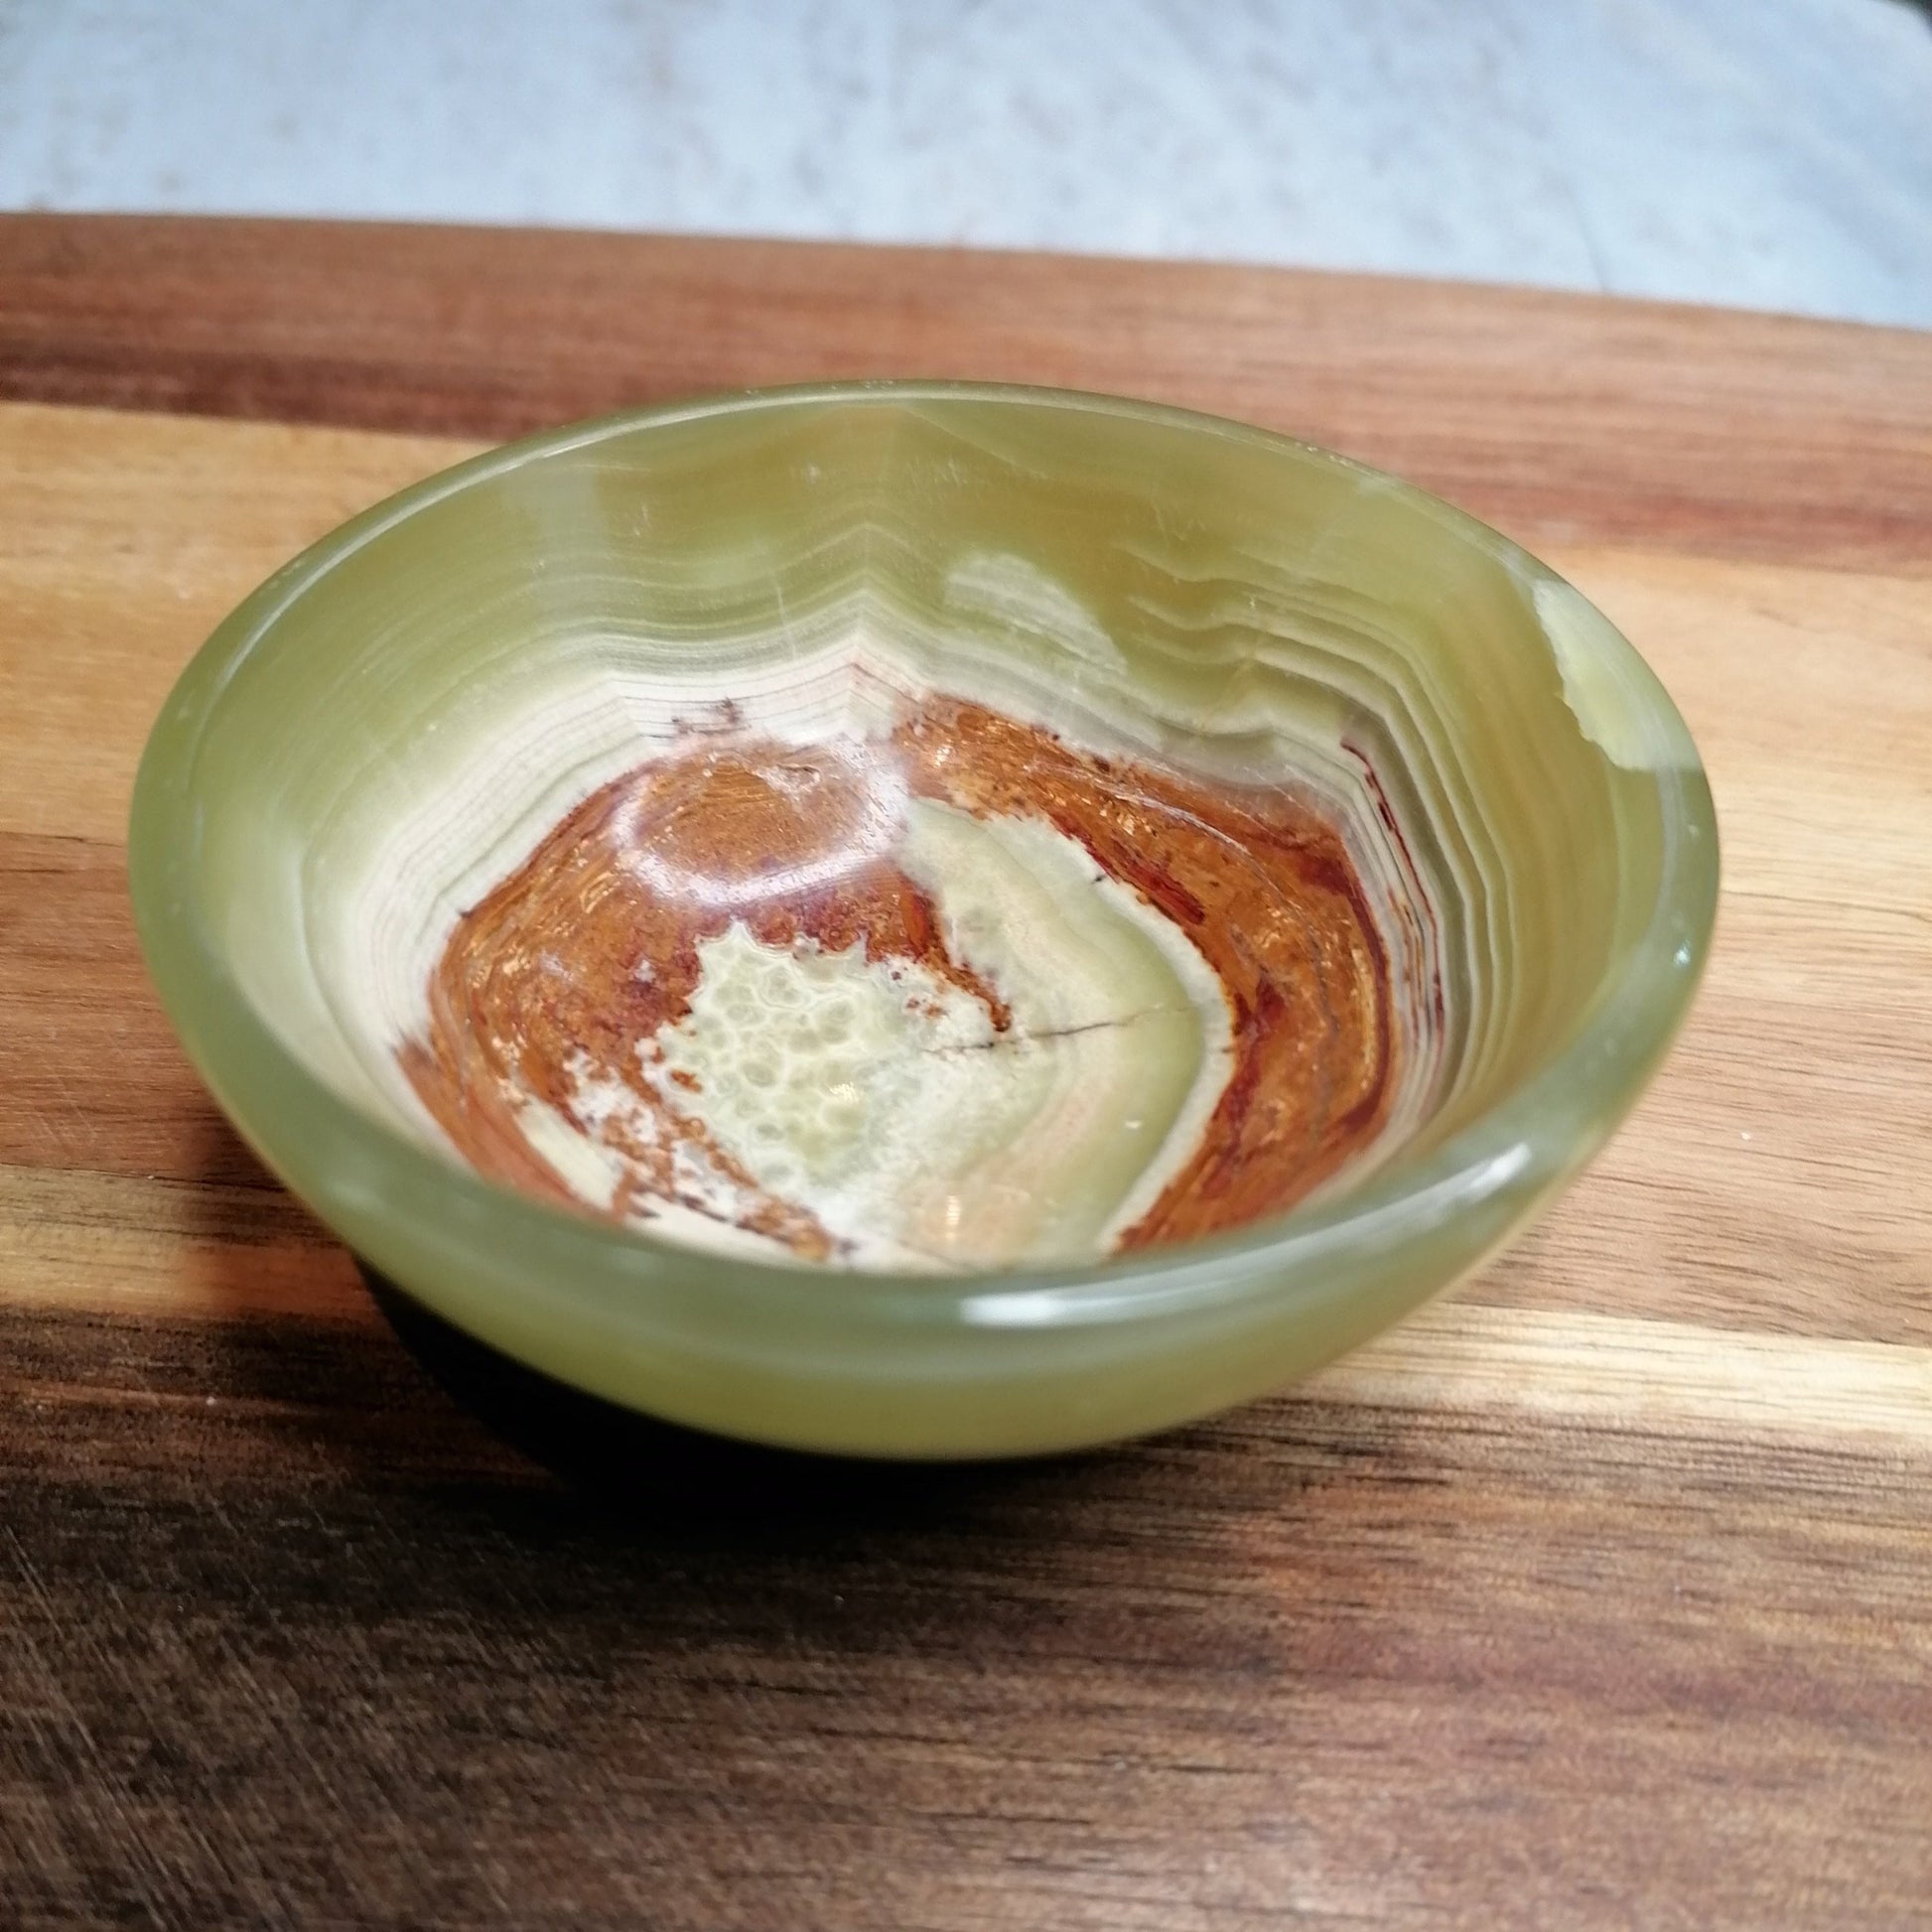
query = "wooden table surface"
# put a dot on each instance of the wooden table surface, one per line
(1600, 1595)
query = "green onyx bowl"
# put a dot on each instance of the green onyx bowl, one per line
(922, 920)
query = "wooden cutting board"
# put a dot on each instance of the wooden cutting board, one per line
(1600, 1595)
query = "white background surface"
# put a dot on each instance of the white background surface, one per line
(1769, 153)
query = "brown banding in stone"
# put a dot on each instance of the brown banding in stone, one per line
(568, 969)
(1265, 888)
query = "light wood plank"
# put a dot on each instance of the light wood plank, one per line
(1758, 1184)
(135, 1249)
(123, 543)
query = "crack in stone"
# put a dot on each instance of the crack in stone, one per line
(1018, 1037)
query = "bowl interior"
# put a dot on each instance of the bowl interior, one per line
(927, 830)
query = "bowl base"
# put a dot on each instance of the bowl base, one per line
(640, 1464)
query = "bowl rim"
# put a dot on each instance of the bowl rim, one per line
(1524, 1144)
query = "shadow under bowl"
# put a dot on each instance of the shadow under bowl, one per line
(922, 920)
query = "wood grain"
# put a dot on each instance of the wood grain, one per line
(120, 553)
(1561, 418)
(288, 1644)
(1600, 1595)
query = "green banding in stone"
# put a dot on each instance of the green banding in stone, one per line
(1216, 598)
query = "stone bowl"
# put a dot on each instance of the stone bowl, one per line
(922, 920)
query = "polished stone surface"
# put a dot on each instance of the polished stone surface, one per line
(1250, 796)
